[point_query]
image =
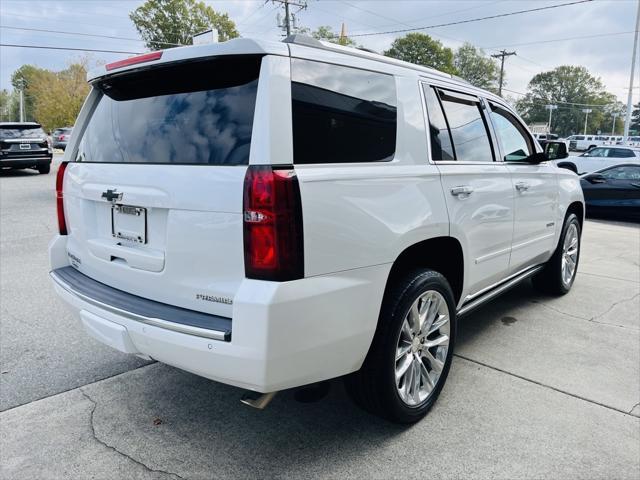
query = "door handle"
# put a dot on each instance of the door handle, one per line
(522, 186)
(462, 190)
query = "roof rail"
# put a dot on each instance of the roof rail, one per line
(307, 41)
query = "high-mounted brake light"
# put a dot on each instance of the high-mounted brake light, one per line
(147, 57)
(62, 222)
(273, 241)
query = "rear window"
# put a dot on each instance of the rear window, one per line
(342, 114)
(198, 112)
(13, 131)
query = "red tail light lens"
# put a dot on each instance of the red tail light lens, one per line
(147, 57)
(273, 241)
(62, 222)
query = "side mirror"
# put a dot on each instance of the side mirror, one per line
(556, 150)
(596, 178)
(537, 157)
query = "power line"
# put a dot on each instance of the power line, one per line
(471, 20)
(564, 103)
(48, 47)
(80, 34)
(561, 39)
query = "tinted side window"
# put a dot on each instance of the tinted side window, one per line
(623, 173)
(441, 145)
(468, 128)
(515, 144)
(342, 114)
(620, 153)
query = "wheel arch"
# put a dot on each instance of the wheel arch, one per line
(441, 254)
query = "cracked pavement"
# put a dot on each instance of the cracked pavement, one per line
(540, 387)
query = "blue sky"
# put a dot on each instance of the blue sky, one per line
(530, 34)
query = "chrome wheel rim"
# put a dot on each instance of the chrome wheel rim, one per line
(422, 347)
(570, 254)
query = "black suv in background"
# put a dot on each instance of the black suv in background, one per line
(24, 145)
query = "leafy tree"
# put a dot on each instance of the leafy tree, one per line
(635, 118)
(7, 100)
(325, 32)
(423, 50)
(472, 65)
(572, 88)
(169, 23)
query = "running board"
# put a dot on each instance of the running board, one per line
(474, 303)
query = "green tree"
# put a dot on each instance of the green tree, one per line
(325, 32)
(7, 99)
(472, 64)
(58, 96)
(423, 50)
(635, 118)
(169, 23)
(572, 88)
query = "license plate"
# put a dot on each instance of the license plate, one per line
(25, 146)
(129, 223)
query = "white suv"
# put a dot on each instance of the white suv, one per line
(274, 214)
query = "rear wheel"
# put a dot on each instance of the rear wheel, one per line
(559, 273)
(410, 356)
(44, 168)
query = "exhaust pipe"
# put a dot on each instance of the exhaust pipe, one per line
(257, 400)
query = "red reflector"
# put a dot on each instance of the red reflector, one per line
(147, 57)
(273, 241)
(62, 222)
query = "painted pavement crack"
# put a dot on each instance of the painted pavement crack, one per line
(111, 447)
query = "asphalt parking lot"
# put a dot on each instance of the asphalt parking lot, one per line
(540, 387)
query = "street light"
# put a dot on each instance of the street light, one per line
(551, 108)
(613, 127)
(586, 111)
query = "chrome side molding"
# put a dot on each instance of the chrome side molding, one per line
(474, 301)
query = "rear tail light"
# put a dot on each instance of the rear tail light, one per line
(273, 241)
(147, 57)
(62, 222)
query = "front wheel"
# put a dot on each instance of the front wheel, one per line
(559, 273)
(410, 356)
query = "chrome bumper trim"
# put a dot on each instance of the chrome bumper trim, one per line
(156, 322)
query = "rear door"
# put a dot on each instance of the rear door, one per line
(153, 200)
(477, 189)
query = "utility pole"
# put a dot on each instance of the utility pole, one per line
(501, 55)
(551, 108)
(613, 126)
(627, 120)
(289, 18)
(21, 82)
(586, 111)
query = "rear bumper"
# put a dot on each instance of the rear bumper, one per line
(284, 334)
(24, 162)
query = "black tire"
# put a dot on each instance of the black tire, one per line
(550, 280)
(44, 168)
(373, 387)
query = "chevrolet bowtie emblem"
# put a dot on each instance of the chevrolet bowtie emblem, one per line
(112, 196)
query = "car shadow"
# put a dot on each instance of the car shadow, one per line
(205, 425)
(18, 173)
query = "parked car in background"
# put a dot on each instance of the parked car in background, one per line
(613, 191)
(24, 145)
(601, 157)
(582, 143)
(60, 137)
(311, 211)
